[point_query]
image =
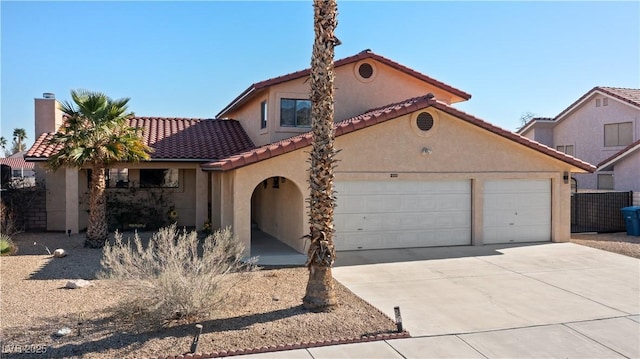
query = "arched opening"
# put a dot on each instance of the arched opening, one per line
(277, 223)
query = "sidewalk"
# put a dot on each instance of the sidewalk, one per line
(558, 300)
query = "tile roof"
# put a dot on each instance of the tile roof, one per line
(607, 164)
(366, 54)
(182, 139)
(17, 161)
(376, 116)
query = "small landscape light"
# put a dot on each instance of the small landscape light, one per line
(196, 338)
(396, 310)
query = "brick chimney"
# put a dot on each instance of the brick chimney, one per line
(48, 116)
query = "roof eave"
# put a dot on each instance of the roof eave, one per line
(607, 165)
(237, 101)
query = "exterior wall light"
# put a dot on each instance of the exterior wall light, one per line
(426, 151)
(565, 177)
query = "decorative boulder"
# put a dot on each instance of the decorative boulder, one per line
(78, 283)
(59, 253)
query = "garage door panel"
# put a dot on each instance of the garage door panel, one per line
(517, 211)
(401, 214)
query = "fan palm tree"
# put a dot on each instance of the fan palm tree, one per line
(19, 135)
(3, 145)
(320, 292)
(96, 133)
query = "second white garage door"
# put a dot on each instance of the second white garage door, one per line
(517, 210)
(402, 214)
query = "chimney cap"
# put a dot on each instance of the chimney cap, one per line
(49, 95)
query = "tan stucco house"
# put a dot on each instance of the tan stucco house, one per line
(413, 170)
(601, 127)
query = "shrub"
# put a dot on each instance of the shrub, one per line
(7, 247)
(175, 276)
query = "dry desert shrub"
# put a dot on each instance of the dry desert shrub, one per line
(176, 276)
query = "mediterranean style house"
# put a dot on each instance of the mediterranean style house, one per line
(413, 170)
(601, 127)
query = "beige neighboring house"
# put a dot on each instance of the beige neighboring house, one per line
(601, 127)
(413, 170)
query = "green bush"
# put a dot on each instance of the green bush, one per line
(7, 247)
(175, 276)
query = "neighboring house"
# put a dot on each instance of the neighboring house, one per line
(412, 170)
(22, 172)
(601, 127)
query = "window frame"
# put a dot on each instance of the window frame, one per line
(617, 125)
(295, 112)
(263, 114)
(609, 177)
(164, 183)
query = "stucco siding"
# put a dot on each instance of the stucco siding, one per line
(584, 129)
(55, 184)
(353, 97)
(627, 173)
(456, 150)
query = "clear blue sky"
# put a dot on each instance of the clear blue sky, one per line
(190, 59)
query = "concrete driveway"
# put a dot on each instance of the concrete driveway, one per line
(559, 300)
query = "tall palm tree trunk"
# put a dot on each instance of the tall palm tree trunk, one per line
(320, 292)
(97, 228)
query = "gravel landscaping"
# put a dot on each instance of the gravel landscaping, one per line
(612, 242)
(261, 312)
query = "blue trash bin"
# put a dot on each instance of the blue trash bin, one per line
(631, 217)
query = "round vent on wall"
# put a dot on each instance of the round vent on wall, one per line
(365, 70)
(424, 121)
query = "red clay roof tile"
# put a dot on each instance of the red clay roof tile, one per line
(184, 139)
(17, 162)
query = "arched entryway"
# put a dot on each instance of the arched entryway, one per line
(277, 210)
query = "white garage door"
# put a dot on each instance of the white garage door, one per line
(517, 211)
(402, 214)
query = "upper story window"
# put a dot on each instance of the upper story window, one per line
(167, 178)
(598, 102)
(605, 101)
(618, 134)
(263, 114)
(295, 113)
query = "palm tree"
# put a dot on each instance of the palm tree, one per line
(3, 144)
(96, 133)
(19, 135)
(320, 292)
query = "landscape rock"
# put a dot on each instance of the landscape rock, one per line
(78, 283)
(63, 331)
(59, 253)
